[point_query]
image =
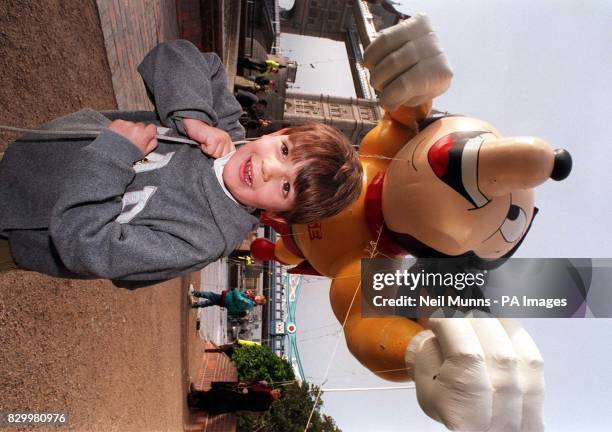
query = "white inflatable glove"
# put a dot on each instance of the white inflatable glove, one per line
(480, 374)
(407, 65)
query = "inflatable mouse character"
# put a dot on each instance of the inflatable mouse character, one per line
(433, 186)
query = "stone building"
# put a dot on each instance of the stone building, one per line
(356, 23)
(252, 28)
(353, 116)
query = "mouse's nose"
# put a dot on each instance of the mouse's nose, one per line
(562, 165)
(511, 163)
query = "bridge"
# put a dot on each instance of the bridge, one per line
(356, 23)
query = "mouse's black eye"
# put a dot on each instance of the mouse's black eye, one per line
(513, 212)
(514, 224)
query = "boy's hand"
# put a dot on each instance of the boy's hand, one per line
(141, 135)
(213, 142)
(407, 65)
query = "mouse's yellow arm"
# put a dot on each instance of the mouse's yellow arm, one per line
(393, 131)
(378, 343)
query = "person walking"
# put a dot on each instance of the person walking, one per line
(236, 302)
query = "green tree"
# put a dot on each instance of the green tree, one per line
(258, 362)
(291, 412)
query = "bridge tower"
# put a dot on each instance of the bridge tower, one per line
(356, 23)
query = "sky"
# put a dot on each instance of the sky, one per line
(529, 68)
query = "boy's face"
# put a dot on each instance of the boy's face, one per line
(261, 174)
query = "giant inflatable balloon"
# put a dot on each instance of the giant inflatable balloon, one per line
(433, 186)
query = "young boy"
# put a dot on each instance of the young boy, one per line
(236, 302)
(75, 206)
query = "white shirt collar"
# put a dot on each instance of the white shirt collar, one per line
(219, 166)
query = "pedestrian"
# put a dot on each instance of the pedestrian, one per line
(226, 397)
(242, 83)
(253, 83)
(261, 68)
(254, 106)
(128, 207)
(266, 82)
(236, 302)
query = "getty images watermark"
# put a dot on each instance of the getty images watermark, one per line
(517, 287)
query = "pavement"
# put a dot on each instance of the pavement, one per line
(213, 320)
(117, 360)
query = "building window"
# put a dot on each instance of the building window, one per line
(339, 111)
(307, 107)
(366, 113)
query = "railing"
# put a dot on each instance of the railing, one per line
(251, 27)
(268, 17)
(365, 16)
(274, 312)
(273, 11)
(293, 284)
(362, 73)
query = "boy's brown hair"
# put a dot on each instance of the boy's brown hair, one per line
(329, 175)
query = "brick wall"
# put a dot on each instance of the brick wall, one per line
(213, 367)
(189, 21)
(131, 28)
